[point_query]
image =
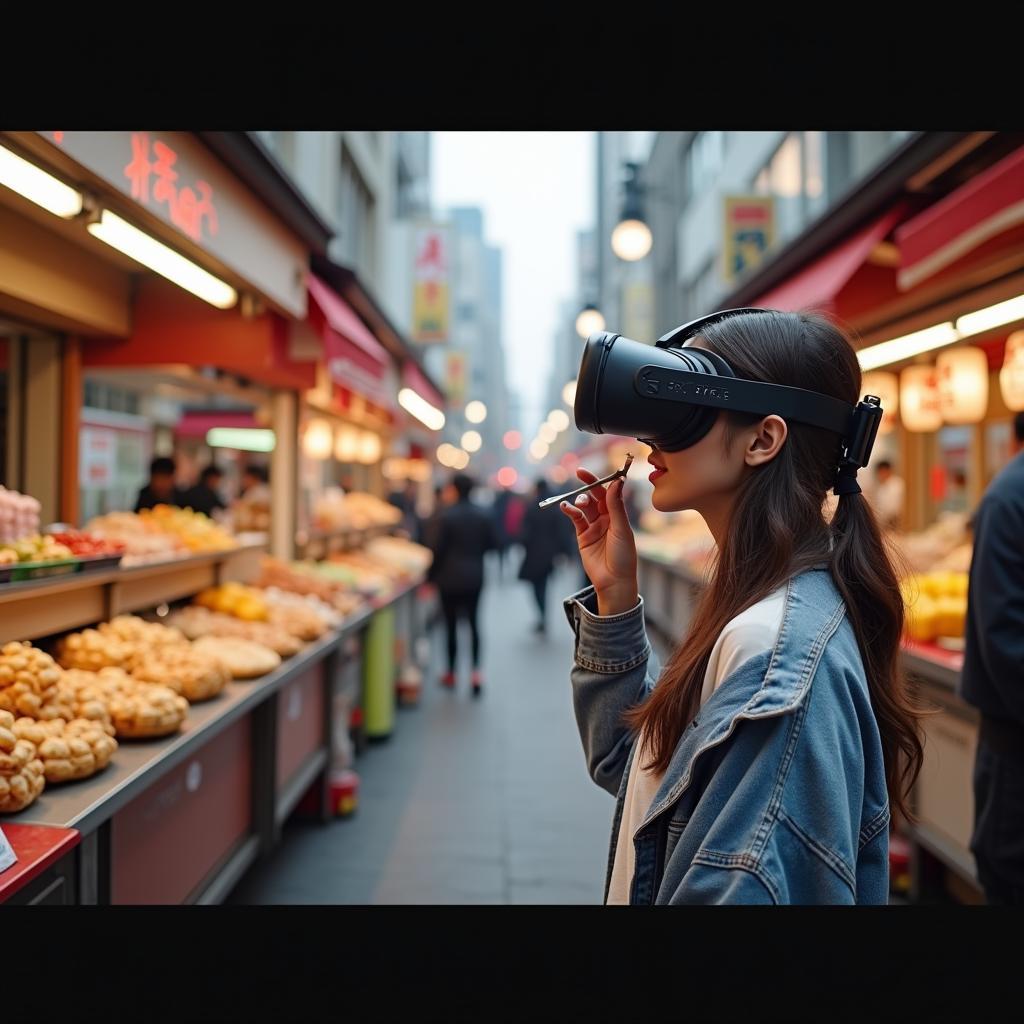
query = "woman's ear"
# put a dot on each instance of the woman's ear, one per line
(767, 441)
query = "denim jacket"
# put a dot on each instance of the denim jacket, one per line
(776, 792)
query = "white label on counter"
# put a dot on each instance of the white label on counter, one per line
(294, 704)
(7, 856)
(194, 776)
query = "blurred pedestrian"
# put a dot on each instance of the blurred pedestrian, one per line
(542, 541)
(504, 499)
(162, 488)
(405, 501)
(464, 535)
(888, 495)
(205, 496)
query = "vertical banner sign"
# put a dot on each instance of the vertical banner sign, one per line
(431, 278)
(749, 233)
(455, 377)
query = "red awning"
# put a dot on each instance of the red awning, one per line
(987, 206)
(413, 378)
(818, 285)
(342, 321)
(355, 359)
(199, 424)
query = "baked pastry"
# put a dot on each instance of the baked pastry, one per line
(93, 650)
(28, 678)
(21, 771)
(244, 659)
(196, 622)
(144, 711)
(194, 674)
(69, 750)
(143, 637)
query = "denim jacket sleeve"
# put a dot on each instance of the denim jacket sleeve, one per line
(614, 669)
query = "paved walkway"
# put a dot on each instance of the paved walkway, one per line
(469, 801)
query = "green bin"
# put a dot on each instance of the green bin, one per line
(379, 675)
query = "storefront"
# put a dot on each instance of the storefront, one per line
(156, 299)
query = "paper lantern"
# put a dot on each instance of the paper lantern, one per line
(318, 441)
(919, 399)
(347, 447)
(369, 448)
(887, 387)
(1011, 376)
(963, 385)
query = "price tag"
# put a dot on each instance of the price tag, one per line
(7, 856)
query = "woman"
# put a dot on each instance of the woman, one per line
(762, 766)
(542, 540)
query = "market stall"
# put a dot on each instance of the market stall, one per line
(171, 693)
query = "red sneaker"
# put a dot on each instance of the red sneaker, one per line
(448, 680)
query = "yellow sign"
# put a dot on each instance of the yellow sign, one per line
(749, 233)
(455, 377)
(430, 306)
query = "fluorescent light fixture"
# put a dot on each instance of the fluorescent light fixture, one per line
(35, 185)
(414, 404)
(244, 439)
(909, 345)
(992, 316)
(145, 249)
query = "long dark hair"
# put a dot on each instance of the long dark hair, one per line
(778, 528)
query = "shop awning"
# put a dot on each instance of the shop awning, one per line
(819, 283)
(413, 378)
(987, 207)
(195, 423)
(346, 334)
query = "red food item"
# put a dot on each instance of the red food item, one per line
(86, 546)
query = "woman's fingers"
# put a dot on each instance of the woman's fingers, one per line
(598, 493)
(590, 507)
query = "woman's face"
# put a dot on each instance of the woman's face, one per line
(706, 472)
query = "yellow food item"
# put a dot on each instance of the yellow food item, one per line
(950, 616)
(196, 675)
(921, 620)
(69, 750)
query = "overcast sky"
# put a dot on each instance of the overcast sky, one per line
(536, 190)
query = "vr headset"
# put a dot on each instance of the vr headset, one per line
(668, 396)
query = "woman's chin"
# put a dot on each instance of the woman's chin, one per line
(662, 501)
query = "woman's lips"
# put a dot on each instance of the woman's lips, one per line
(656, 474)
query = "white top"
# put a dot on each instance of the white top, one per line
(888, 500)
(747, 635)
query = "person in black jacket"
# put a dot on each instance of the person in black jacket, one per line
(161, 489)
(205, 496)
(543, 538)
(993, 680)
(463, 537)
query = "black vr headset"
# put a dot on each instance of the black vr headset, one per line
(668, 396)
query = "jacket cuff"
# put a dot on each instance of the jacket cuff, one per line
(607, 643)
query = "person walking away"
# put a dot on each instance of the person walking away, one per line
(464, 536)
(161, 489)
(500, 513)
(992, 680)
(205, 496)
(542, 541)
